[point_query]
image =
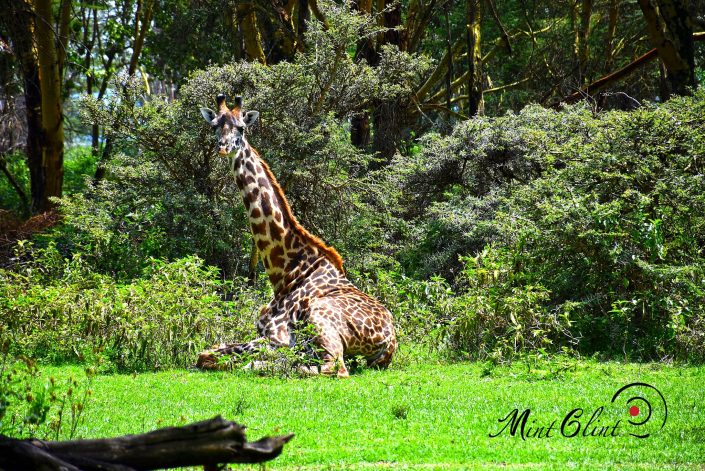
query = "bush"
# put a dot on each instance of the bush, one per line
(498, 317)
(486, 315)
(596, 220)
(161, 320)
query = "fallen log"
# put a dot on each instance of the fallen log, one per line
(207, 443)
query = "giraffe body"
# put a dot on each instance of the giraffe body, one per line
(309, 282)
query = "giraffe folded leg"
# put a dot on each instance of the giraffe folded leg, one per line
(331, 368)
(211, 359)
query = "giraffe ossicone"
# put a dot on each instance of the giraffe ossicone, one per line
(307, 276)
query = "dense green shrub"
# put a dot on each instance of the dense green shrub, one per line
(56, 310)
(596, 220)
(486, 315)
(421, 309)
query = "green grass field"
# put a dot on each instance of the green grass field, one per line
(423, 416)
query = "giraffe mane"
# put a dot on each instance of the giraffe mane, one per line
(327, 250)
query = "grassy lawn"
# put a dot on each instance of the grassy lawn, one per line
(423, 416)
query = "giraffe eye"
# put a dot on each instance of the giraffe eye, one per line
(240, 129)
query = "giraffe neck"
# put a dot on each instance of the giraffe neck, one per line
(286, 249)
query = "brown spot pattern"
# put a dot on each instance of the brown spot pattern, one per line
(276, 256)
(262, 244)
(259, 228)
(275, 232)
(266, 205)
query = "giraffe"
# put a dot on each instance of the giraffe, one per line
(307, 276)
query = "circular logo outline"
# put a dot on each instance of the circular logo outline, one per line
(635, 398)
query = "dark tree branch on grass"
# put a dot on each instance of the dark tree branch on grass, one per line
(207, 443)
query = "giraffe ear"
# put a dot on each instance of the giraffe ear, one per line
(209, 115)
(250, 118)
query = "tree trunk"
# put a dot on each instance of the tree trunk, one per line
(286, 27)
(613, 17)
(387, 131)
(15, 185)
(52, 116)
(18, 21)
(360, 130)
(89, 19)
(63, 36)
(304, 15)
(449, 53)
(250, 31)
(33, 103)
(575, 28)
(474, 16)
(583, 36)
(95, 130)
(387, 117)
(610, 46)
(670, 27)
(143, 18)
(392, 21)
(316, 10)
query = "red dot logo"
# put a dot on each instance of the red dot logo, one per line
(633, 411)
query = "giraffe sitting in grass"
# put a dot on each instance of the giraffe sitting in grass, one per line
(307, 276)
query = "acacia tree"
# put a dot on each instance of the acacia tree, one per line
(142, 20)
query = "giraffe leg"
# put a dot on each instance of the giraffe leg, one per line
(330, 366)
(332, 355)
(335, 366)
(209, 359)
(273, 333)
(328, 340)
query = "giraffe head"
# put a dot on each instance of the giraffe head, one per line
(230, 124)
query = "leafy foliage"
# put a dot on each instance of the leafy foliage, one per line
(596, 219)
(160, 320)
